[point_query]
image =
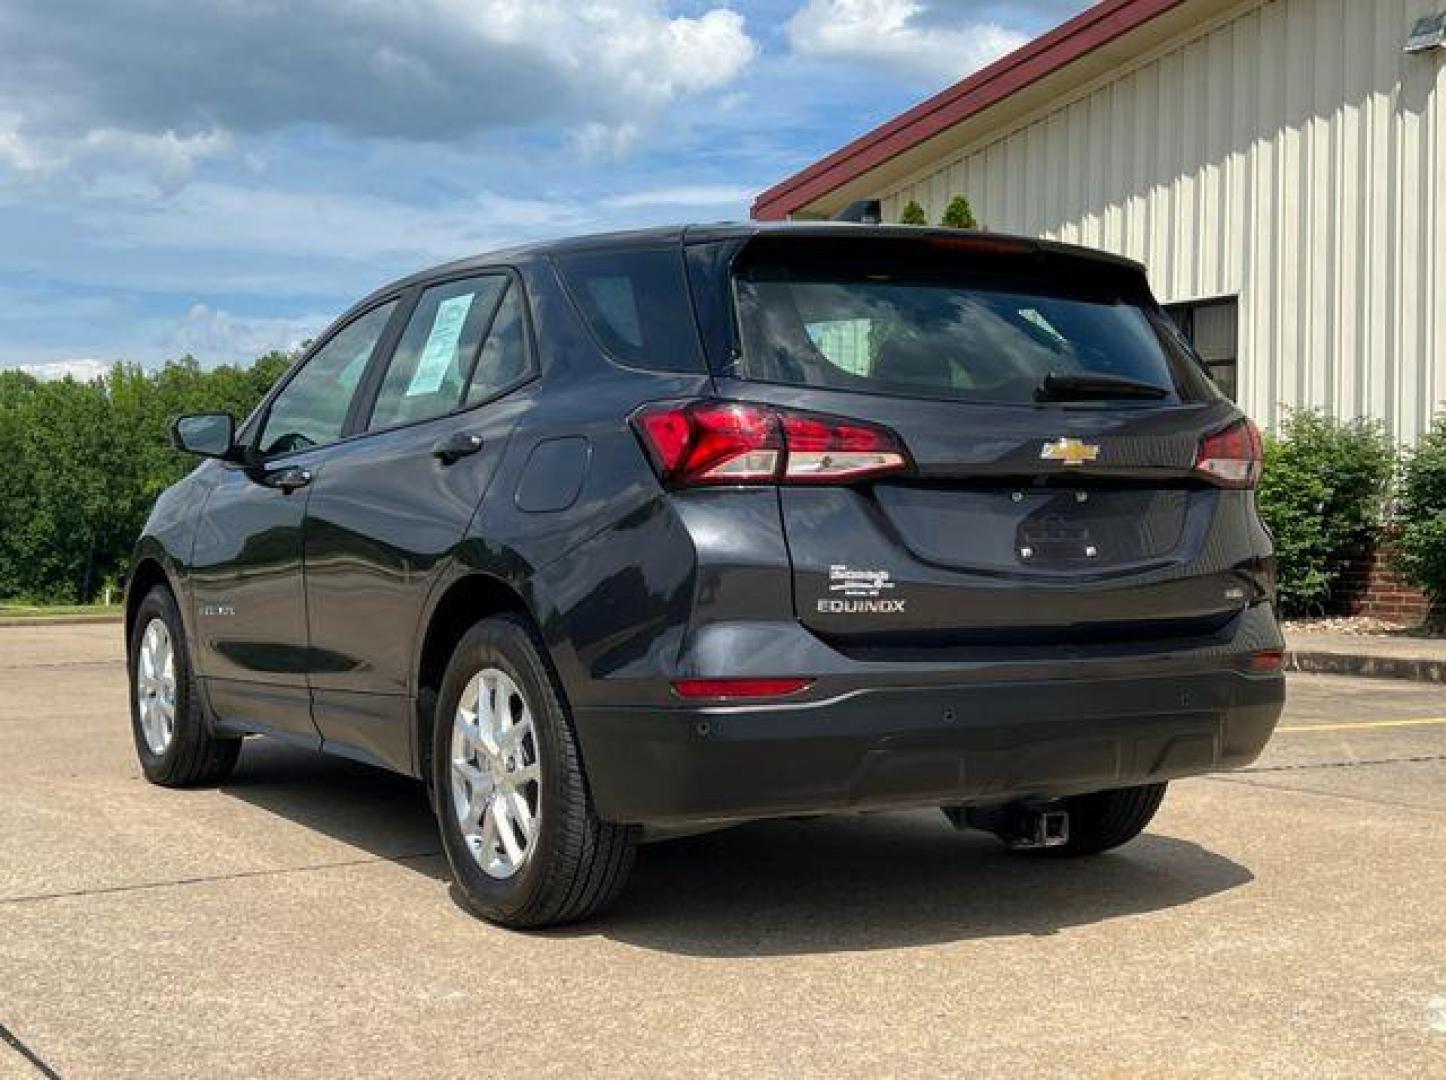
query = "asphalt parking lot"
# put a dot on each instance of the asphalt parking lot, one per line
(1286, 921)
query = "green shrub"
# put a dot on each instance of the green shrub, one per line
(1323, 494)
(1422, 512)
(913, 214)
(959, 214)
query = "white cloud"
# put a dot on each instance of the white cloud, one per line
(167, 159)
(604, 142)
(95, 79)
(80, 370)
(904, 36)
(245, 220)
(683, 195)
(216, 239)
(219, 336)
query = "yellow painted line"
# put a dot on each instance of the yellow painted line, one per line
(1435, 721)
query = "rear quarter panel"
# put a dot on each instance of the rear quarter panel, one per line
(608, 575)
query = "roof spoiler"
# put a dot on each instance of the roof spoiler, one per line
(863, 212)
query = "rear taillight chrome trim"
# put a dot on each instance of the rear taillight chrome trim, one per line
(1231, 457)
(711, 443)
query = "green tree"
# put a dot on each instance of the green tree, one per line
(59, 529)
(913, 214)
(84, 462)
(959, 214)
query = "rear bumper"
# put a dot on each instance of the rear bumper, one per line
(935, 745)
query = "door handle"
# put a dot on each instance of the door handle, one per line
(455, 447)
(289, 480)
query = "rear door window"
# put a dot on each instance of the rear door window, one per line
(636, 303)
(942, 333)
(435, 357)
(502, 363)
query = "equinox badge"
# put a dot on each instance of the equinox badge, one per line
(1069, 452)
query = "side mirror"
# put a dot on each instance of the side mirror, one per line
(206, 434)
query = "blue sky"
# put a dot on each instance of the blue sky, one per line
(223, 177)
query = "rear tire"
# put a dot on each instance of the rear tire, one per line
(174, 742)
(1104, 820)
(525, 845)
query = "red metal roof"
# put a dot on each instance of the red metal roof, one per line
(1086, 32)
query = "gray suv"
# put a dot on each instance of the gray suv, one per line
(637, 534)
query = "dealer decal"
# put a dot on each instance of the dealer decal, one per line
(860, 592)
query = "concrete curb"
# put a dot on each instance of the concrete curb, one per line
(57, 620)
(1416, 669)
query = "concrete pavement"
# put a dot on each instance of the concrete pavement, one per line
(1284, 921)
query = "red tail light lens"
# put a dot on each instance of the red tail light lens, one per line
(1266, 662)
(823, 449)
(1231, 458)
(982, 244)
(712, 442)
(702, 443)
(726, 689)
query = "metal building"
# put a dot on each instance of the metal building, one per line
(1280, 166)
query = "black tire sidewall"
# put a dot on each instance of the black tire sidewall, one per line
(505, 644)
(160, 604)
(1106, 820)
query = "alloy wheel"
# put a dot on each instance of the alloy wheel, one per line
(496, 774)
(156, 686)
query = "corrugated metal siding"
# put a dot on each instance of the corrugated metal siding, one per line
(1290, 154)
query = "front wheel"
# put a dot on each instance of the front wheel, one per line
(173, 741)
(517, 823)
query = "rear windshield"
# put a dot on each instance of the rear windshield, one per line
(942, 332)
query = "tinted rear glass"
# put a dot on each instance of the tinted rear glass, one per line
(931, 330)
(637, 306)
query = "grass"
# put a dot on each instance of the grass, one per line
(14, 609)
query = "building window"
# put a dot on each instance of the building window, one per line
(1213, 327)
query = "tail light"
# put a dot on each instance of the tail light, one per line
(703, 443)
(981, 243)
(733, 689)
(1231, 458)
(1267, 661)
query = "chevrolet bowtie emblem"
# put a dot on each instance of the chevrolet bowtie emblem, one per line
(1069, 452)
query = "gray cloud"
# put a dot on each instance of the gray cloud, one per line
(425, 69)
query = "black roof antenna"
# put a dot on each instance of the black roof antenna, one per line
(863, 212)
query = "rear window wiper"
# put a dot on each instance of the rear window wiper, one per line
(1056, 387)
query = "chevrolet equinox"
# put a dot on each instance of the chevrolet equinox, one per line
(638, 534)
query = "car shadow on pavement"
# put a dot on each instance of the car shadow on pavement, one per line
(371, 809)
(887, 881)
(775, 888)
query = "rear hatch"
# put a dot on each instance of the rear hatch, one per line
(1052, 424)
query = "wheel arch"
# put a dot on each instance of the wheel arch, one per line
(148, 572)
(464, 603)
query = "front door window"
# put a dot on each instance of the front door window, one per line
(311, 408)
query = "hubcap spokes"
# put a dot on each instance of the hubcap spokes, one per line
(496, 775)
(156, 686)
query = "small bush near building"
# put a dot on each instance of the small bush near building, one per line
(1322, 493)
(959, 214)
(1422, 511)
(913, 214)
